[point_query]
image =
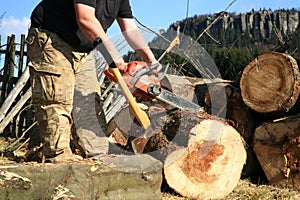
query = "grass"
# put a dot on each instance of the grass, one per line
(249, 191)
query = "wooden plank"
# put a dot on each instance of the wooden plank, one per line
(21, 57)
(11, 63)
(5, 70)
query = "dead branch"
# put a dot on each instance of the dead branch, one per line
(9, 117)
(14, 93)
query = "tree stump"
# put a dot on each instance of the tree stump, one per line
(203, 155)
(277, 147)
(270, 83)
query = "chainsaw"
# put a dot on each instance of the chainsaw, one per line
(146, 83)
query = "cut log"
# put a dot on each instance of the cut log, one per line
(277, 147)
(191, 88)
(243, 118)
(270, 83)
(180, 86)
(203, 155)
(211, 165)
(110, 177)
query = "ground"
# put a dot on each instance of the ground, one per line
(244, 190)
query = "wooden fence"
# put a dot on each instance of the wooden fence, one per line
(16, 114)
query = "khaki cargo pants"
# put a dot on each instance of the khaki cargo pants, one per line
(60, 78)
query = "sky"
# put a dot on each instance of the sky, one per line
(157, 14)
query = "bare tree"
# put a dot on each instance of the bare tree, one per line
(1, 18)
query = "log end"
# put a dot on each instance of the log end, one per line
(269, 83)
(211, 165)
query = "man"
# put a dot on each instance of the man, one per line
(61, 35)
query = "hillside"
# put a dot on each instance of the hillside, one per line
(233, 40)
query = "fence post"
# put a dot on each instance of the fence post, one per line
(5, 71)
(11, 64)
(21, 58)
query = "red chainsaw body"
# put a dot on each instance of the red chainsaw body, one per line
(140, 87)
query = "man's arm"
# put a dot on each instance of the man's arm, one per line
(92, 28)
(135, 39)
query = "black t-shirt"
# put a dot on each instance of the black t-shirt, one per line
(58, 16)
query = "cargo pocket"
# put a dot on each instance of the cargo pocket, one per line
(43, 87)
(52, 75)
(48, 88)
(40, 52)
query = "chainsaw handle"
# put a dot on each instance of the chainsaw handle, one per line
(128, 68)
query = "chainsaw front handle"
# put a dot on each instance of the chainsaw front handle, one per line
(135, 68)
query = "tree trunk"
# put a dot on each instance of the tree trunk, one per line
(109, 177)
(203, 155)
(277, 147)
(191, 88)
(244, 119)
(270, 83)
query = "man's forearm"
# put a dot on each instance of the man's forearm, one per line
(136, 40)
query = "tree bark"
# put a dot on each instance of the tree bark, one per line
(270, 83)
(201, 153)
(277, 147)
(244, 119)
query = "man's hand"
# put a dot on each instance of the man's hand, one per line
(122, 66)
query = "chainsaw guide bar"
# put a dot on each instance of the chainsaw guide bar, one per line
(171, 99)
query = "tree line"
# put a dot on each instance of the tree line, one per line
(231, 49)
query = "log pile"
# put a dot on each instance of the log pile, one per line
(270, 86)
(262, 117)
